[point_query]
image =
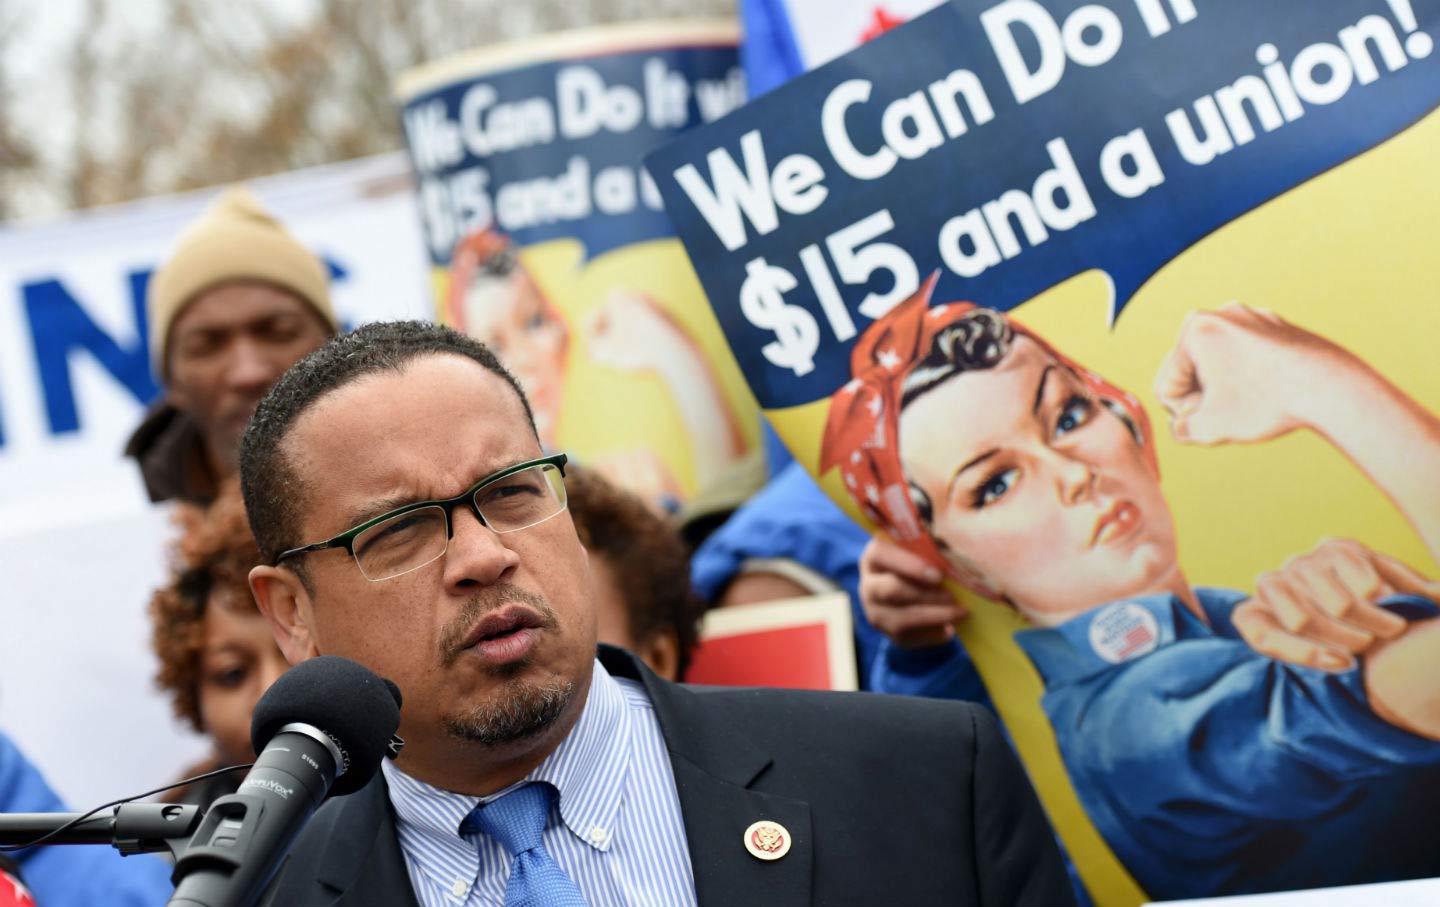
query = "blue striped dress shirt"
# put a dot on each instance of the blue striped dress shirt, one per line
(616, 830)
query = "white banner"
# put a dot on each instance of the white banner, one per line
(81, 548)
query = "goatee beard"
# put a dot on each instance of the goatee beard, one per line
(520, 711)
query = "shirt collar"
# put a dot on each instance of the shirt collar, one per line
(588, 768)
(1122, 631)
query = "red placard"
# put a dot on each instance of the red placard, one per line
(798, 644)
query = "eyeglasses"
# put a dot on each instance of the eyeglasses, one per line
(412, 536)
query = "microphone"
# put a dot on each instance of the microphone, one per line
(322, 728)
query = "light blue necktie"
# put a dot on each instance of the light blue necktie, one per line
(516, 821)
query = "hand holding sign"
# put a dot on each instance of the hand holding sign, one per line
(905, 598)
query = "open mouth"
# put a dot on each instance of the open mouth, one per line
(506, 635)
(505, 621)
(502, 634)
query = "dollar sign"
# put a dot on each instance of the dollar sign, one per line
(762, 302)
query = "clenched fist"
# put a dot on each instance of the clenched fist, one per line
(1240, 374)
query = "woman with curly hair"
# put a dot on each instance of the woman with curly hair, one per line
(216, 653)
(640, 571)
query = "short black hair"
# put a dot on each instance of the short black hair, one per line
(272, 488)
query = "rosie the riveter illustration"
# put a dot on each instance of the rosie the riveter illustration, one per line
(495, 299)
(1221, 742)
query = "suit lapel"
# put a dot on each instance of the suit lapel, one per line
(716, 773)
(362, 861)
(717, 814)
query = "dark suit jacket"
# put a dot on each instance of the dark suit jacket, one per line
(889, 800)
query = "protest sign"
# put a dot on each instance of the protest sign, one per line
(548, 241)
(926, 254)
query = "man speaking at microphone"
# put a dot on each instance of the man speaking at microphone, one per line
(409, 520)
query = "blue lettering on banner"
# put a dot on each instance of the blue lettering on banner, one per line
(59, 326)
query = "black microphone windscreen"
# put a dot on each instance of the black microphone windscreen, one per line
(350, 703)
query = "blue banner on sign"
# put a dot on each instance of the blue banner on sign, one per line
(1012, 167)
(551, 150)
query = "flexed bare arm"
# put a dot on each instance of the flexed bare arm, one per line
(1239, 374)
(632, 332)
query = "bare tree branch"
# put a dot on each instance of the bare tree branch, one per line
(223, 91)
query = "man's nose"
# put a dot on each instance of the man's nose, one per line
(252, 367)
(477, 556)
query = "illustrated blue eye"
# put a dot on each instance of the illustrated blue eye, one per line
(1076, 413)
(996, 487)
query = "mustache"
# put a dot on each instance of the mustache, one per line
(490, 598)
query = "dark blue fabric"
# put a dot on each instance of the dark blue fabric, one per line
(1211, 769)
(791, 517)
(516, 820)
(75, 875)
(944, 672)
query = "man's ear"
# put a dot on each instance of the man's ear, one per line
(286, 604)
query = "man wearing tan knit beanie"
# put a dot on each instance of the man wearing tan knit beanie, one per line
(237, 304)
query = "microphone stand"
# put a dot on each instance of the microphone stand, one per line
(131, 828)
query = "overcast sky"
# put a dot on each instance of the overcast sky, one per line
(47, 29)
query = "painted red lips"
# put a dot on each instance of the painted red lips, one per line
(1118, 521)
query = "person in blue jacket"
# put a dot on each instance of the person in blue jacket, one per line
(1222, 742)
(80, 875)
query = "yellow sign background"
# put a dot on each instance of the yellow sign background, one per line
(1349, 255)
